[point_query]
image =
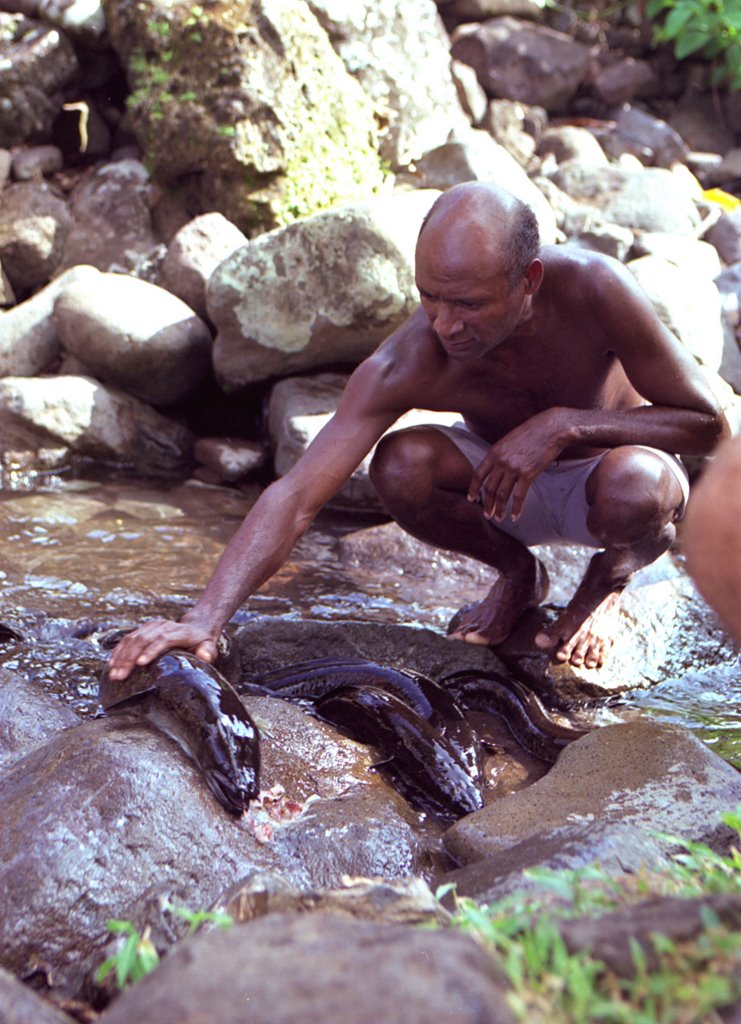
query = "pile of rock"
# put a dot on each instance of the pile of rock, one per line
(138, 278)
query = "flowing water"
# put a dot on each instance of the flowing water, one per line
(81, 557)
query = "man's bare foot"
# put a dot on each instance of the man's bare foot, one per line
(579, 640)
(492, 620)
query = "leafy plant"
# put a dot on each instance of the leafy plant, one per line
(709, 28)
(136, 958)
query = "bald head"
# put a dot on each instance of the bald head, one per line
(481, 216)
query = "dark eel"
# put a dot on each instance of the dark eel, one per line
(425, 762)
(311, 680)
(193, 704)
(524, 714)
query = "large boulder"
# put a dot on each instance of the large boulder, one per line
(135, 336)
(403, 65)
(277, 131)
(615, 797)
(29, 340)
(321, 969)
(322, 291)
(109, 819)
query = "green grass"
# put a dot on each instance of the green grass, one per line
(553, 986)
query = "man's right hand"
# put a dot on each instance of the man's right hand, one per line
(154, 638)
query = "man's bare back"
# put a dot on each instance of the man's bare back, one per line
(547, 356)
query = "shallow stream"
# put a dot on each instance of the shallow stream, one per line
(79, 557)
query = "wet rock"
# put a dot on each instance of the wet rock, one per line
(21, 1005)
(194, 254)
(33, 227)
(521, 61)
(110, 208)
(314, 967)
(272, 154)
(403, 65)
(99, 823)
(324, 290)
(28, 715)
(226, 459)
(606, 800)
(92, 421)
(134, 335)
(29, 341)
(475, 156)
(301, 406)
(39, 61)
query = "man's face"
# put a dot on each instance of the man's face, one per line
(472, 309)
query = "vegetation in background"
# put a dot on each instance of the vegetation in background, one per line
(550, 985)
(710, 29)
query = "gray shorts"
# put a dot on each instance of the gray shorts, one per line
(556, 507)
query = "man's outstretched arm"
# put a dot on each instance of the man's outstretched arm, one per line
(268, 533)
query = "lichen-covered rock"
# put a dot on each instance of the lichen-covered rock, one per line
(207, 113)
(323, 291)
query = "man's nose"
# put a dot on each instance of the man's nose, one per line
(447, 320)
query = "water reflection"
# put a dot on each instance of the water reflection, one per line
(82, 556)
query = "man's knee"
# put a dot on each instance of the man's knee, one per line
(402, 458)
(633, 495)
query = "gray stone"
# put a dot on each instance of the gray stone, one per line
(649, 138)
(569, 142)
(725, 235)
(19, 1004)
(625, 79)
(475, 156)
(322, 970)
(38, 62)
(92, 421)
(111, 221)
(301, 406)
(34, 162)
(472, 97)
(34, 223)
(687, 302)
(29, 342)
(322, 291)
(510, 123)
(520, 61)
(135, 336)
(194, 253)
(99, 822)
(403, 65)
(28, 715)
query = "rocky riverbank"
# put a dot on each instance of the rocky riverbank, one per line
(208, 217)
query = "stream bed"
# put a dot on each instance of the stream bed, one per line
(82, 556)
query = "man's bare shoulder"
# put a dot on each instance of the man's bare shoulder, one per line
(576, 272)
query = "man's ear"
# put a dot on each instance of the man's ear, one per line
(533, 277)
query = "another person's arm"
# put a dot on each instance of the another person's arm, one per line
(711, 535)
